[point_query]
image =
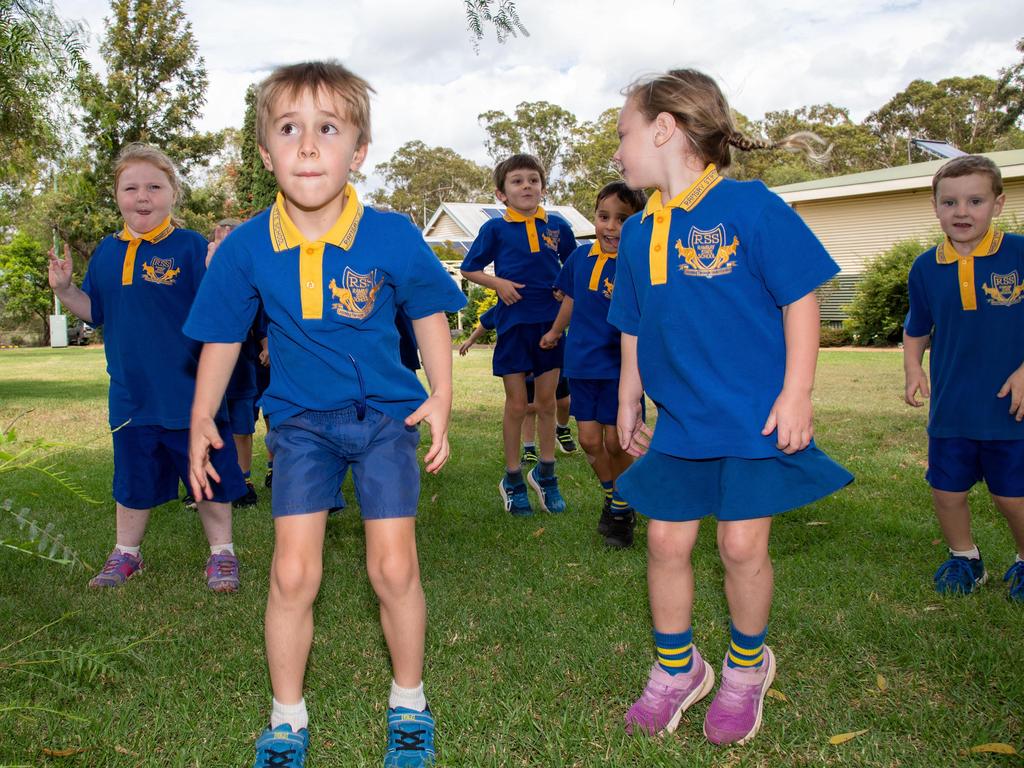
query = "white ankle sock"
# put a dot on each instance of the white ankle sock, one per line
(410, 698)
(1020, 558)
(970, 554)
(128, 550)
(229, 548)
(294, 715)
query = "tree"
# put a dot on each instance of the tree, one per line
(418, 178)
(1011, 93)
(504, 18)
(538, 127)
(587, 164)
(23, 282)
(256, 187)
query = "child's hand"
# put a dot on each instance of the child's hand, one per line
(435, 411)
(634, 435)
(60, 270)
(202, 436)
(793, 416)
(464, 347)
(916, 381)
(507, 290)
(550, 340)
(211, 247)
(558, 293)
(1014, 387)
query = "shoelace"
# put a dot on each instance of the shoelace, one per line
(1015, 575)
(275, 758)
(223, 566)
(958, 571)
(408, 740)
(114, 563)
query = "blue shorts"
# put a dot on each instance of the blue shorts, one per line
(957, 463)
(241, 414)
(518, 350)
(149, 461)
(669, 488)
(594, 400)
(562, 390)
(314, 449)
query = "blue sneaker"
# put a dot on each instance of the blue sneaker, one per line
(960, 576)
(410, 738)
(515, 498)
(547, 491)
(1016, 578)
(282, 748)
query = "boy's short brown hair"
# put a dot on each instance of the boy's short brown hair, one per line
(328, 76)
(518, 163)
(965, 166)
(635, 199)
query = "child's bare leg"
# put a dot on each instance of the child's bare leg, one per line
(131, 525)
(670, 573)
(591, 435)
(529, 435)
(243, 445)
(544, 399)
(749, 577)
(954, 519)
(618, 459)
(394, 571)
(1012, 508)
(512, 422)
(295, 574)
(216, 519)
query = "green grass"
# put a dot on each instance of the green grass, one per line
(538, 637)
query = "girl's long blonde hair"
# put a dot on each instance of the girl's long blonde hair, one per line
(701, 110)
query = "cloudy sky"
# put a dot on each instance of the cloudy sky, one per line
(431, 85)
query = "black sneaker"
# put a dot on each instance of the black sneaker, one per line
(604, 524)
(188, 502)
(250, 499)
(620, 530)
(563, 436)
(268, 481)
(529, 454)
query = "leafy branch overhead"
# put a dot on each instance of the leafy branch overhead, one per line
(501, 14)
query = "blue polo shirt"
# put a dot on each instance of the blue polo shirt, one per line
(532, 258)
(243, 379)
(975, 304)
(140, 291)
(701, 282)
(592, 347)
(330, 306)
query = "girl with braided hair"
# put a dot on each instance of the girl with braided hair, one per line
(715, 300)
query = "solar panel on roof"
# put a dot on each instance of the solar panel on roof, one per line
(494, 213)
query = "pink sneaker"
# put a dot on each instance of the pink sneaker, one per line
(222, 572)
(120, 567)
(734, 716)
(667, 696)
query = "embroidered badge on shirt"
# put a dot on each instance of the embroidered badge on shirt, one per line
(160, 271)
(706, 254)
(1005, 291)
(356, 294)
(551, 237)
(609, 286)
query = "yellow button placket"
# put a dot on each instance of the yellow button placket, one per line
(311, 276)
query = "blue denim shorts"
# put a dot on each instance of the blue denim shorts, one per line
(669, 488)
(955, 464)
(149, 461)
(242, 415)
(518, 350)
(313, 451)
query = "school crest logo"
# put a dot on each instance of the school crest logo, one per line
(356, 295)
(1005, 291)
(551, 237)
(160, 271)
(609, 287)
(706, 253)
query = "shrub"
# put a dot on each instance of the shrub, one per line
(880, 304)
(835, 337)
(480, 300)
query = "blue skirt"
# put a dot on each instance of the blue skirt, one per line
(669, 488)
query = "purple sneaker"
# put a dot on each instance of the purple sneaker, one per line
(120, 567)
(667, 696)
(734, 716)
(222, 572)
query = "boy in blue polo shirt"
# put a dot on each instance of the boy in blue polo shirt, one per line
(527, 248)
(968, 293)
(593, 356)
(331, 275)
(139, 286)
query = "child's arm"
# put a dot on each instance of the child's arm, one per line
(550, 339)
(1014, 387)
(915, 379)
(792, 413)
(473, 338)
(634, 435)
(507, 290)
(435, 344)
(71, 296)
(216, 362)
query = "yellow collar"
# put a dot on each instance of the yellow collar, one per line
(945, 253)
(284, 235)
(602, 257)
(531, 224)
(662, 213)
(595, 250)
(160, 232)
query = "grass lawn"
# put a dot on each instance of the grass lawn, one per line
(538, 637)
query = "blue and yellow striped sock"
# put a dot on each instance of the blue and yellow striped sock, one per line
(745, 651)
(607, 488)
(675, 650)
(247, 475)
(619, 505)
